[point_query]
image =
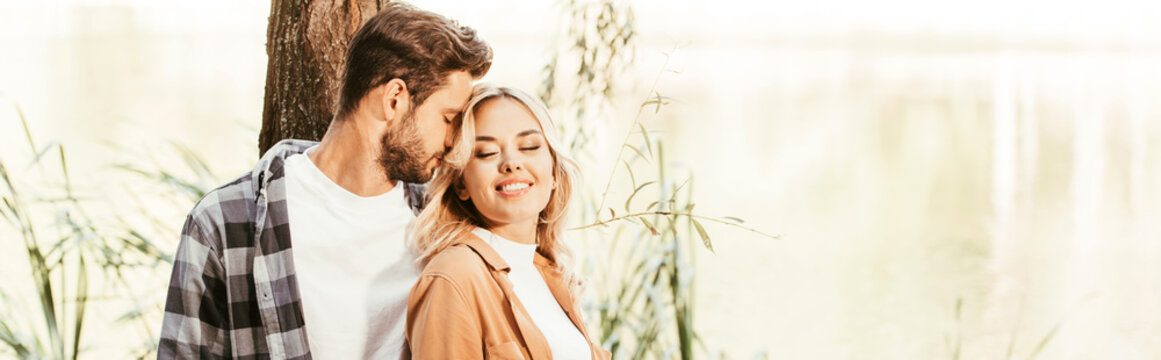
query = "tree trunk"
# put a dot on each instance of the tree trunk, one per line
(306, 44)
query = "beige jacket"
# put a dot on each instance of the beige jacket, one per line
(463, 307)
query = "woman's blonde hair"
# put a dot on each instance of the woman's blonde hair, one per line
(446, 218)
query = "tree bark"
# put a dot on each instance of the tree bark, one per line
(306, 44)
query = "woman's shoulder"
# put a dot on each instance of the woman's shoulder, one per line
(459, 263)
(456, 259)
(460, 269)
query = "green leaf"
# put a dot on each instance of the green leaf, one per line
(649, 225)
(734, 219)
(632, 177)
(65, 170)
(645, 139)
(132, 314)
(638, 151)
(651, 205)
(193, 161)
(1044, 342)
(41, 276)
(40, 154)
(657, 101)
(705, 239)
(673, 195)
(958, 308)
(635, 191)
(82, 299)
(11, 339)
(27, 130)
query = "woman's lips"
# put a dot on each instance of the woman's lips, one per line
(514, 187)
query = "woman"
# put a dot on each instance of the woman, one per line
(497, 283)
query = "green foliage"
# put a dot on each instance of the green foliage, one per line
(642, 261)
(75, 260)
(955, 347)
(590, 54)
(643, 277)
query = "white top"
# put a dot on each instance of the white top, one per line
(564, 339)
(354, 270)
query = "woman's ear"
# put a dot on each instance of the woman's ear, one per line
(461, 191)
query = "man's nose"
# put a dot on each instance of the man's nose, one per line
(449, 138)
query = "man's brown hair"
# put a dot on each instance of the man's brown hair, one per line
(417, 46)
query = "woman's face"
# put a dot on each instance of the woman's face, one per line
(510, 175)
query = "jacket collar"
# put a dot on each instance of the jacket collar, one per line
(272, 162)
(552, 278)
(493, 258)
(486, 252)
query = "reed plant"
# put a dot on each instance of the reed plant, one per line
(113, 259)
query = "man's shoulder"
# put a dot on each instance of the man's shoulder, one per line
(229, 203)
(235, 201)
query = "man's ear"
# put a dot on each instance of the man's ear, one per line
(395, 100)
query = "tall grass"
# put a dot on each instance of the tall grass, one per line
(75, 260)
(641, 256)
(646, 297)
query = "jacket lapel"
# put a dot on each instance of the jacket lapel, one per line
(559, 289)
(533, 339)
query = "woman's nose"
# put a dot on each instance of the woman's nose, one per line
(511, 165)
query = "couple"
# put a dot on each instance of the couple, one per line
(328, 250)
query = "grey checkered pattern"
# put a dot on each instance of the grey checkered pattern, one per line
(233, 292)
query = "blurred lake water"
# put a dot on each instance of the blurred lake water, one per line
(1009, 165)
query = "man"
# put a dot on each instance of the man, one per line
(239, 288)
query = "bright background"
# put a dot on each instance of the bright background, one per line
(910, 153)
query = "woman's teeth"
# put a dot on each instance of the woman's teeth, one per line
(514, 187)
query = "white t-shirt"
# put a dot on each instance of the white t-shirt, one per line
(354, 270)
(564, 339)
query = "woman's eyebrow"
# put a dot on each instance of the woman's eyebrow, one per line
(528, 132)
(521, 134)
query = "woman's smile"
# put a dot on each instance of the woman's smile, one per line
(514, 187)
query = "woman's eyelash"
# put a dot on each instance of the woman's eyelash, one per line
(482, 155)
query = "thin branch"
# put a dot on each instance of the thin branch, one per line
(628, 134)
(671, 213)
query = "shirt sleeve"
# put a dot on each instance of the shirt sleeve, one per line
(196, 312)
(440, 321)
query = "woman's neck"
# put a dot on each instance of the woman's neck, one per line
(524, 233)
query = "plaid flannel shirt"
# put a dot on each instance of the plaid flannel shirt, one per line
(233, 291)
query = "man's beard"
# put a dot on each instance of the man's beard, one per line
(403, 156)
